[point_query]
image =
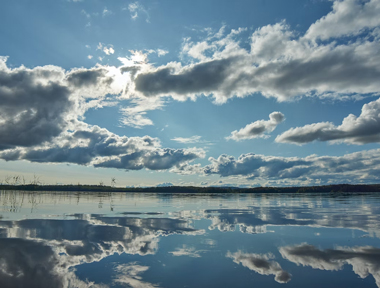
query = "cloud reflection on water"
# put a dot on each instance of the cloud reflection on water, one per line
(364, 260)
(129, 275)
(262, 264)
(45, 252)
(49, 250)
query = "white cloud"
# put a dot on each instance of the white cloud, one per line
(107, 49)
(349, 17)
(90, 57)
(354, 130)
(192, 139)
(161, 52)
(135, 114)
(258, 129)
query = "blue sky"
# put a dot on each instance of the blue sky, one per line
(241, 93)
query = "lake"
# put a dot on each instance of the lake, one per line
(56, 239)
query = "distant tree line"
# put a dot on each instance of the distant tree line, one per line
(196, 190)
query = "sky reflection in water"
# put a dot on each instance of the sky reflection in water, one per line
(162, 240)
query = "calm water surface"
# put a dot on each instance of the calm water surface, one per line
(181, 240)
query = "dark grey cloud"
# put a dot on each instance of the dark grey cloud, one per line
(100, 148)
(39, 104)
(259, 128)
(131, 69)
(354, 130)
(28, 263)
(364, 260)
(167, 158)
(84, 239)
(158, 159)
(39, 122)
(199, 78)
(262, 264)
(33, 106)
(88, 77)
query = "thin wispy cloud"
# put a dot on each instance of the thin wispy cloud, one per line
(136, 9)
(187, 251)
(106, 12)
(192, 139)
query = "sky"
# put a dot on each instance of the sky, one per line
(240, 93)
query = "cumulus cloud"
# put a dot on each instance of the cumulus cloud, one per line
(280, 63)
(262, 264)
(35, 105)
(354, 130)
(350, 168)
(98, 147)
(258, 129)
(348, 17)
(41, 115)
(364, 260)
(39, 104)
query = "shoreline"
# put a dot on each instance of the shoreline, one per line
(336, 188)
